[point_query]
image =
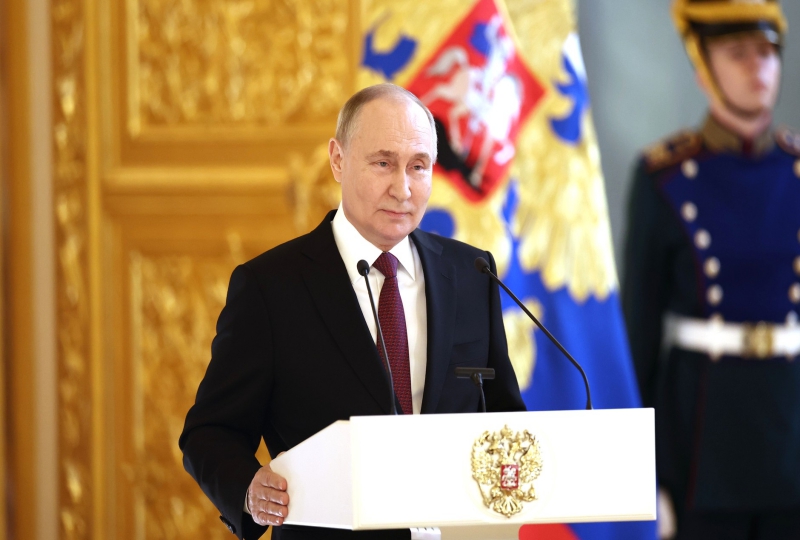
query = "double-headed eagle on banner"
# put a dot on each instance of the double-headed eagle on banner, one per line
(505, 464)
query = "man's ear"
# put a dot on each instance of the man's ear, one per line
(336, 155)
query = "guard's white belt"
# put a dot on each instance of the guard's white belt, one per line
(716, 337)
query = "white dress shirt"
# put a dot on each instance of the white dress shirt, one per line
(410, 279)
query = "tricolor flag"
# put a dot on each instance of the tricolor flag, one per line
(519, 174)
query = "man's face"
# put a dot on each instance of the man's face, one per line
(747, 69)
(385, 170)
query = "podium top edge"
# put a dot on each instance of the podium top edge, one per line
(629, 410)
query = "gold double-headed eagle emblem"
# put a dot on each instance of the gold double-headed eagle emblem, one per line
(505, 464)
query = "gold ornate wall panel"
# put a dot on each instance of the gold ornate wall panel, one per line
(175, 300)
(189, 136)
(263, 63)
(173, 288)
(70, 195)
(218, 82)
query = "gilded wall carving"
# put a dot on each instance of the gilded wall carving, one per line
(197, 64)
(70, 198)
(175, 304)
(313, 188)
(244, 61)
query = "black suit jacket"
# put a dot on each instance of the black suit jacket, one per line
(293, 354)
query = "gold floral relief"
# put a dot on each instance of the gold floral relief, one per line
(70, 195)
(314, 190)
(175, 304)
(239, 61)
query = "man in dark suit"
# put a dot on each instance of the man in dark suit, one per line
(296, 349)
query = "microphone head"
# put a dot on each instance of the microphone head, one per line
(363, 267)
(481, 265)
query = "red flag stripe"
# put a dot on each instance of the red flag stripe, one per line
(546, 532)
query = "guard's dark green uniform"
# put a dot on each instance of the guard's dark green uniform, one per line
(714, 233)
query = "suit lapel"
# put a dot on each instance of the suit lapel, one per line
(440, 299)
(332, 293)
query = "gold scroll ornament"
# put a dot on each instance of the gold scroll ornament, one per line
(505, 464)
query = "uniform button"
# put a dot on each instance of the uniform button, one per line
(797, 168)
(689, 169)
(702, 239)
(797, 265)
(714, 295)
(711, 267)
(689, 211)
(794, 293)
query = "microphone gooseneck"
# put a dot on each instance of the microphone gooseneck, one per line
(477, 375)
(482, 266)
(363, 269)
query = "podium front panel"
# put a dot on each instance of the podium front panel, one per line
(415, 471)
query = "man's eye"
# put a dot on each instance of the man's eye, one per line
(383, 164)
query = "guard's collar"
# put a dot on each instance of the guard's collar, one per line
(719, 138)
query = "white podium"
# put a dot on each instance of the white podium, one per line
(400, 472)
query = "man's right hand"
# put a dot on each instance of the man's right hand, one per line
(267, 499)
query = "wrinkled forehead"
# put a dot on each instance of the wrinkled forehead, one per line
(392, 119)
(388, 107)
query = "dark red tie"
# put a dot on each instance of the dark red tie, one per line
(393, 324)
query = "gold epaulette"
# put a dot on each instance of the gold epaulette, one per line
(672, 150)
(789, 140)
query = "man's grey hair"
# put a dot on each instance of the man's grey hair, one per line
(348, 115)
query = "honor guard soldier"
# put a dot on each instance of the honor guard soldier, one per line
(711, 290)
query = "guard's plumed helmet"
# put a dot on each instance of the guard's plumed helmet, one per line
(699, 20)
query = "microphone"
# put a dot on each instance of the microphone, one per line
(478, 375)
(363, 269)
(483, 267)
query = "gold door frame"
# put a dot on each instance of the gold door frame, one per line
(4, 150)
(162, 183)
(17, 283)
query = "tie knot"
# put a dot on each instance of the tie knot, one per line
(386, 264)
